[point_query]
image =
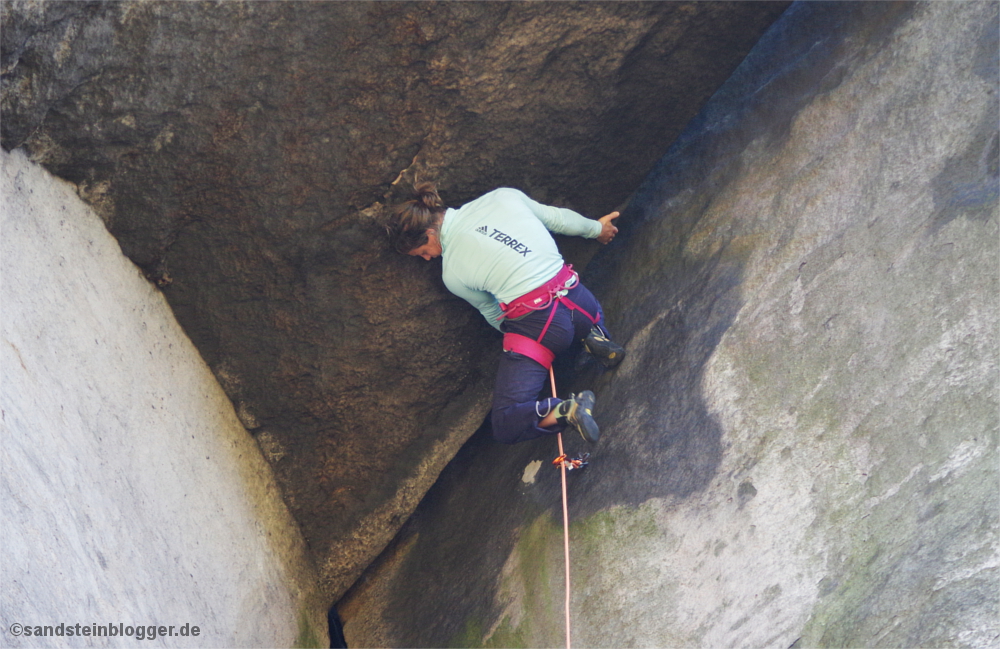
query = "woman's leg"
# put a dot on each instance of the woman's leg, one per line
(596, 339)
(583, 298)
(517, 410)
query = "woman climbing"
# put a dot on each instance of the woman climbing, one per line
(498, 255)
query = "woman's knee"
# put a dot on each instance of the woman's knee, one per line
(503, 430)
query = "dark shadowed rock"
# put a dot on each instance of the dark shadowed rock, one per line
(242, 152)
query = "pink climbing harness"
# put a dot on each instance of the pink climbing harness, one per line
(550, 294)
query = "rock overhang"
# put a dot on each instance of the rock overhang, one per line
(242, 154)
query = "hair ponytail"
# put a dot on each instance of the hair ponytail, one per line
(413, 218)
(426, 194)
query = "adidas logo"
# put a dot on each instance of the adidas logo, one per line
(483, 230)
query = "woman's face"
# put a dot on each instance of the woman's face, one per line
(430, 250)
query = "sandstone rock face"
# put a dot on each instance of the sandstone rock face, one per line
(241, 152)
(801, 447)
(131, 495)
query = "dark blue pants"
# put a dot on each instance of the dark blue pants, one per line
(516, 408)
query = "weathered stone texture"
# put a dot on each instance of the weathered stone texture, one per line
(801, 447)
(130, 493)
(241, 153)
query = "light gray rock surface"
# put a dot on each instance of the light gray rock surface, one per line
(801, 447)
(131, 495)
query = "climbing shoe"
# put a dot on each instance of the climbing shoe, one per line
(577, 411)
(605, 350)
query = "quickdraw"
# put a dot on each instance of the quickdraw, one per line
(576, 463)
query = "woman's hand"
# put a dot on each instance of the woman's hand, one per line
(608, 229)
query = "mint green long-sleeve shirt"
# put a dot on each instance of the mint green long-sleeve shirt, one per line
(498, 247)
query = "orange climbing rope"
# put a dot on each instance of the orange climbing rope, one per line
(562, 469)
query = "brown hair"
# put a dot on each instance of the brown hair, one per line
(411, 219)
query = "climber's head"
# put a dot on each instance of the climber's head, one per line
(430, 250)
(416, 224)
